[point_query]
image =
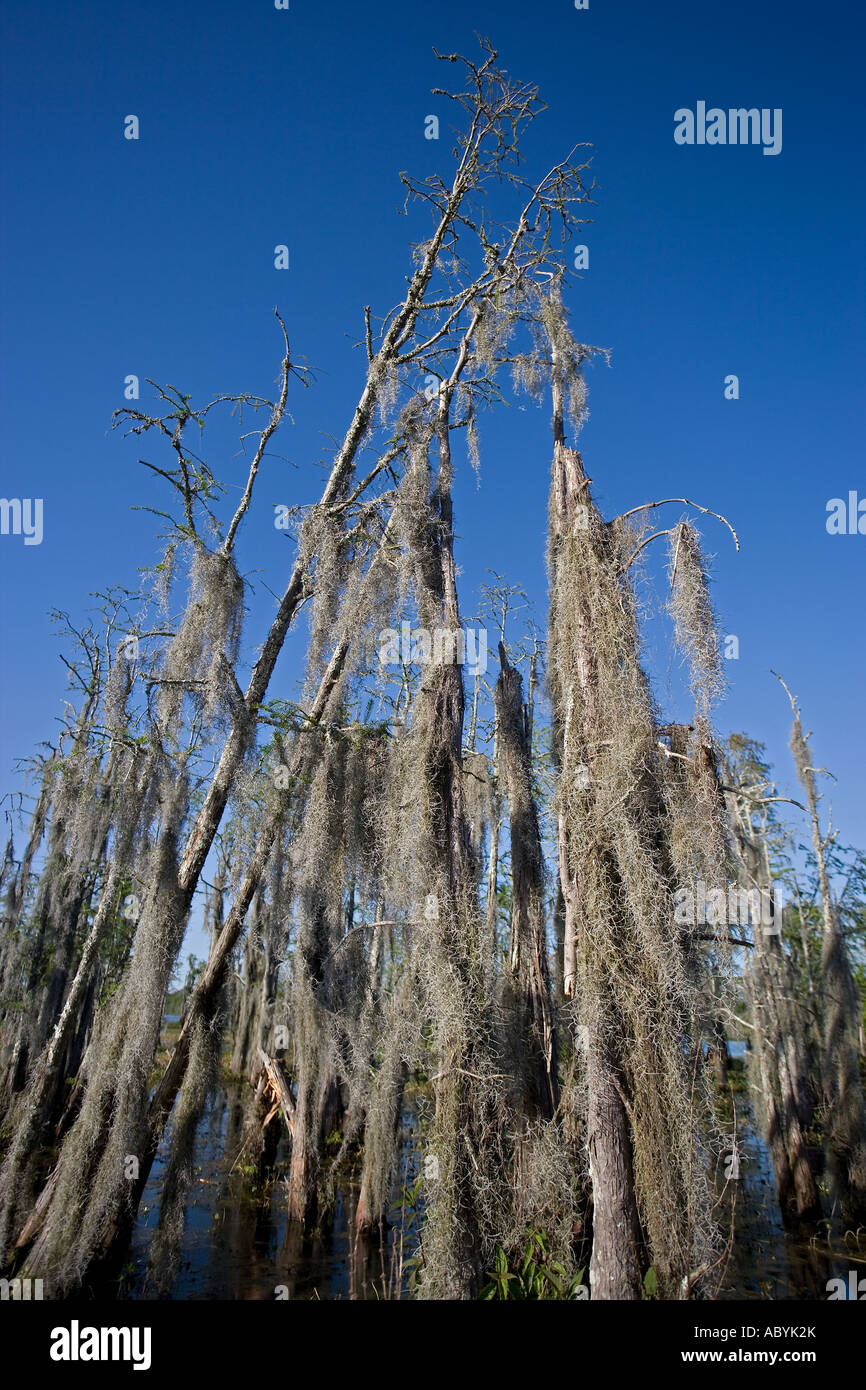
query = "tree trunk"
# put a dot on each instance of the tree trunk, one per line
(614, 1270)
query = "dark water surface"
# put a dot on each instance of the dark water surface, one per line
(238, 1243)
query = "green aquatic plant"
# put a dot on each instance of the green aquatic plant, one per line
(535, 1276)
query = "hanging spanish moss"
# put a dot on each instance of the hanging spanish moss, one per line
(842, 1083)
(691, 608)
(475, 941)
(626, 962)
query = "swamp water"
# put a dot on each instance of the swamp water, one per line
(238, 1244)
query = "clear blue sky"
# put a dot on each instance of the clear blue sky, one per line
(261, 127)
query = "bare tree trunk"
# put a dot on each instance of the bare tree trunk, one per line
(615, 1266)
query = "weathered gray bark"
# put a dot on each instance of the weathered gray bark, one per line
(615, 1266)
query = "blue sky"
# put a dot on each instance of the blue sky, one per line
(261, 127)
